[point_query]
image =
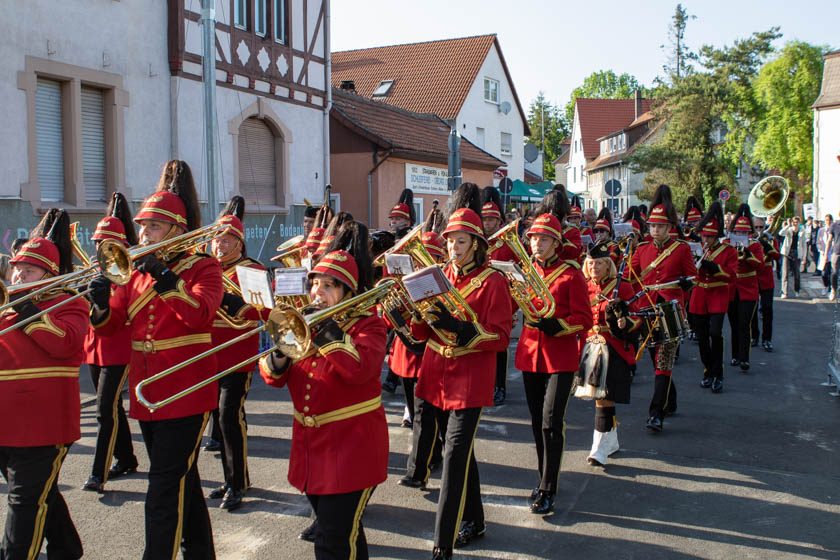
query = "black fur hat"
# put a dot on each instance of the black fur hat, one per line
(406, 198)
(715, 212)
(662, 197)
(491, 194)
(177, 178)
(692, 204)
(55, 226)
(555, 201)
(119, 208)
(743, 212)
(354, 238)
(468, 195)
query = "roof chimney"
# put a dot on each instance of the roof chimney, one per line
(348, 85)
(637, 95)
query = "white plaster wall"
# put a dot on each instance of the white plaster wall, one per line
(826, 164)
(476, 112)
(576, 160)
(133, 37)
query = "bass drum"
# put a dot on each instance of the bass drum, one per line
(665, 322)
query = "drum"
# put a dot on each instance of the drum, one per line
(665, 322)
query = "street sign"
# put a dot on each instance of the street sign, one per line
(505, 185)
(613, 187)
(724, 195)
(500, 173)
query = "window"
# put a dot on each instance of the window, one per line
(491, 90)
(93, 144)
(506, 144)
(383, 88)
(50, 139)
(257, 163)
(260, 18)
(418, 209)
(280, 21)
(479, 137)
(240, 14)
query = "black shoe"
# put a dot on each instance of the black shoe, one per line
(534, 493)
(768, 346)
(734, 362)
(389, 386)
(499, 395)
(706, 383)
(441, 554)
(232, 499)
(745, 366)
(407, 423)
(117, 470)
(218, 493)
(308, 534)
(754, 343)
(470, 530)
(411, 483)
(543, 504)
(212, 445)
(717, 385)
(654, 424)
(94, 484)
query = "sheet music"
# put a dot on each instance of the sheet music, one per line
(696, 249)
(737, 240)
(622, 230)
(255, 287)
(509, 269)
(290, 281)
(399, 265)
(424, 286)
(586, 240)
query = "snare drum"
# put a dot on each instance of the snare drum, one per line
(670, 322)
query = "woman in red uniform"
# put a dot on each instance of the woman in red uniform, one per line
(603, 232)
(39, 399)
(340, 435)
(107, 358)
(457, 380)
(548, 354)
(744, 296)
(169, 306)
(710, 295)
(766, 287)
(556, 202)
(610, 322)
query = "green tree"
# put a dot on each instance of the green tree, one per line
(680, 56)
(603, 84)
(548, 129)
(784, 91)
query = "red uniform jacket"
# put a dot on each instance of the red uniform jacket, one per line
(499, 251)
(540, 352)
(454, 378)
(402, 361)
(39, 375)
(572, 247)
(766, 278)
(598, 307)
(710, 293)
(352, 453)
(223, 332)
(746, 285)
(113, 350)
(166, 329)
(656, 265)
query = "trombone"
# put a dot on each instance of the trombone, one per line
(290, 331)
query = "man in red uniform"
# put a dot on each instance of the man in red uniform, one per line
(169, 306)
(663, 260)
(39, 400)
(744, 295)
(766, 287)
(229, 250)
(710, 295)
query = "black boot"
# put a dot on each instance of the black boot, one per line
(470, 530)
(544, 503)
(308, 534)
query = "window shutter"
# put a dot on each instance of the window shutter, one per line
(48, 131)
(93, 144)
(257, 182)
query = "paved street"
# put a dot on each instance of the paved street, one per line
(749, 473)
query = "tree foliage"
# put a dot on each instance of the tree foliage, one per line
(542, 113)
(680, 56)
(603, 84)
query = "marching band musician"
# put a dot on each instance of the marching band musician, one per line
(308, 221)
(107, 358)
(340, 435)
(169, 306)
(602, 230)
(457, 381)
(229, 249)
(39, 400)
(744, 293)
(663, 260)
(556, 202)
(575, 217)
(710, 295)
(548, 354)
(610, 320)
(766, 286)
(322, 219)
(691, 218)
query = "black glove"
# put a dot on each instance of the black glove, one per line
(328, 332)
(617, 308)
(746, 253)
(25, 310)
(550, 327)
(152, 266)
(100, 292)
(232, 303)
(444, 319)
(709, 267)
(685, 283)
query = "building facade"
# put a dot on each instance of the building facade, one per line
(827, 139)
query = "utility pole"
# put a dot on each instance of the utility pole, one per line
(208, 21)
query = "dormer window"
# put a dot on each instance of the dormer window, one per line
(383, 89)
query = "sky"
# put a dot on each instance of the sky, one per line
(551, 46)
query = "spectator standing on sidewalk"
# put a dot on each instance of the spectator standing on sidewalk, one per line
(793, 247)
(809, 230)
(824, 263)
(833, 249)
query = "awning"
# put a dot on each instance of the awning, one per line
(522, 191)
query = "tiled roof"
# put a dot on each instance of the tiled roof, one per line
(408, 134)
(431, 77)
(600, 117)
(830, 90)
(612, 159)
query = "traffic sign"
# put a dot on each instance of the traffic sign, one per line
(500, 173)
(724, 195)
(505, 185)
(613, 187)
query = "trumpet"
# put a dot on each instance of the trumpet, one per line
(411, 244)
(524, 293)
(290, 331)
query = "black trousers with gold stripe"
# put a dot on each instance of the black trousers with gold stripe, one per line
(460, 487)
(233, 428)
(114, 436)
(547, 395)
(36, 509)
(176, 513)
(340, 534)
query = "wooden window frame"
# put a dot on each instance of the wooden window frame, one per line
(273, 17)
